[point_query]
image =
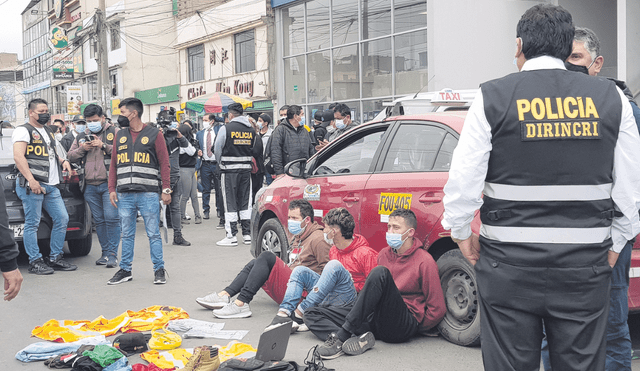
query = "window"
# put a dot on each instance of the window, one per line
(414, 148)
(318, 31)
(293, 22)
(114, 30)
(410, 14)
(294, 80)
(345, 21)
(245, 51)
(376, 68)
(411, 62)
(443, 161)
(355, 156)
(195, 59)
(319, 68)
(376, 18)
(346, 73)
(113, 76)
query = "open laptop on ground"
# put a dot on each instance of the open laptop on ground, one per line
(273, 342)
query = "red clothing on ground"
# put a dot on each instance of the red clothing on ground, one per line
(358, 258)
(163, 160)
(276, 285)
(415, 274)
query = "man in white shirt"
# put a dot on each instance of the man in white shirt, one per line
(557, 156)
(209, 171)
(40, 160)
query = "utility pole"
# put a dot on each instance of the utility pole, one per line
(104, 83)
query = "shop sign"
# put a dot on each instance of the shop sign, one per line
(115, 110)
(243, 88)
(164, 94)
(58, 39)
(195, 92)
(63, 63)
(74, 99)
(58, 5)
(76, 16)
(62, 75)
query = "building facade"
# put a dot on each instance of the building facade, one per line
(11, 98)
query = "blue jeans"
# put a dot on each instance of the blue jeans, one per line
(106, 218)
(210, 175)
(54, 206)
(333, 287)
(268, 178)
(148, 204)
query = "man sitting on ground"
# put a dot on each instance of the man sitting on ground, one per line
(401, 297)
(351, 261)
(270, 272)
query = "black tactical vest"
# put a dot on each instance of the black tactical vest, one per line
(37, 153)
(547, 196)
(238, 148)
(138, 169)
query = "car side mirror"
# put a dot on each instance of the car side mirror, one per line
(295, 169)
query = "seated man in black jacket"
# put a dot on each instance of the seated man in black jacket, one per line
(290, 140)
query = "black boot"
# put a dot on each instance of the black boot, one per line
(178, 240)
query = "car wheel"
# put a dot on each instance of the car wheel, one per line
(81, 246)
(273, 238)
(461, 323)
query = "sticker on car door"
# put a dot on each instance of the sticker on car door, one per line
(311, 192)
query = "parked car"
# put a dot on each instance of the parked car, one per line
(444, 100)
(79, 228)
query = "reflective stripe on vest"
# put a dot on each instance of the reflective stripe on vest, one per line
(546, 235)
(136, 180)
(548, 192)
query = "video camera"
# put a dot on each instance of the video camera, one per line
(165, 119)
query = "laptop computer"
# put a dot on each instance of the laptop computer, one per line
(273, 342)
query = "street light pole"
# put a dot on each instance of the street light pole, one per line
(104, 92)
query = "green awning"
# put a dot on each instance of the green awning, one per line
(261, 105)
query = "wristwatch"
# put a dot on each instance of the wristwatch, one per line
(167, 191)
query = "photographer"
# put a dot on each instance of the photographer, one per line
(168, 123)
(92, 149)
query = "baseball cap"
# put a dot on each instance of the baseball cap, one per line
(78, 118)
(327, 115)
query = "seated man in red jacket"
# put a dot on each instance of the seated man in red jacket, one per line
(351, 261)
(401, 297)
(270, 272)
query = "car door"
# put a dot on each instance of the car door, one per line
(411, 173)
(337, 176)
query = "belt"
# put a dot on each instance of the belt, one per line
(213, 162)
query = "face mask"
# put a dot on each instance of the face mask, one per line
(340, 124)
(80, 128)
(95, 127)
(303, 121)
(395, 241)
(123, 121)
(576, 68)
(330, 129)
(260, 124)
(515, 61)
(328, 240)
(174, 125)
(295, 227)
(43, 118)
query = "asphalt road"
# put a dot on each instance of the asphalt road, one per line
(195, 271)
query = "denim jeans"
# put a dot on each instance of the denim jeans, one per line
(54, 206)
(148, 204)
(333, 287)
(105, 216)
(209, 173)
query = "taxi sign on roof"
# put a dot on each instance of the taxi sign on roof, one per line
(448, 97)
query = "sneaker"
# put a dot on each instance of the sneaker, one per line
(213, 301)
(198, 220)
(39, 267)
(187, 216)
(112, 262)
(298, 323)
(247, 239)
(231, 310)
(359, 344)
(159, 276)
(102, 261)
(59, 264)
(120, 277)
(180, 241)
(228, 241)
(204, 358)
(332, 348)
(206, 215)
(221, 225)
(185, 221)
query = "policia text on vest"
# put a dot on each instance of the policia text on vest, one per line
(558, 118)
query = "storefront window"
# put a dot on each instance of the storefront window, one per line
(411, 62)
(294, 80)
(376, 18)
(345, 21)
(376, 68)
(410, 14)
(319, 68)
(345, 73)
(318, 31)
(293, 20)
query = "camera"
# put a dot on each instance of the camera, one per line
(166, 118)
(91, 138)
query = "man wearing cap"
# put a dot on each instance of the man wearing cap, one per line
(92, 149)
(79, 126)
(321, 121)
(234, 148)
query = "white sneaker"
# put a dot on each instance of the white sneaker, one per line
(213, 301)
(247, 239)
(231, 310)
(186, 216)
(228, 241)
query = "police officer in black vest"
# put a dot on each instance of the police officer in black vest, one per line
(557, 203)
(92, 149)
(235, 148)
(40, 162)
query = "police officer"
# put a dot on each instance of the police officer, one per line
(92, 149)
(558, 204)
(234, 148)
(39, 160)
(141, 174)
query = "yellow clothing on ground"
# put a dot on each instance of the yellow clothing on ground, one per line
(179, 357)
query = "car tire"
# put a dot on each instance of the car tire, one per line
(273, 238)
(461, 323)
(81, 246)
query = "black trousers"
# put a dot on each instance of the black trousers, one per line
(236, 188)
(210, 174)
(378, 308)
(515, 301)
(173, 210)
(252, 277)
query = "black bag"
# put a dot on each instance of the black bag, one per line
(243, 364)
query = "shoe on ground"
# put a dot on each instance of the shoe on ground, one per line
(185, 221)
(213, 301)
(206, 215)
(187, 216)
(247, 239)
(59, 264)
(228, 241)
(160, 276)
(120, 277)
(204, 358)
(39, 267)
(112, 262)
(180, 241)
(221, 225)
(332, 348)
(298, 323)
(198, 220)
(103, 260)
(231, 310)
(357, 345)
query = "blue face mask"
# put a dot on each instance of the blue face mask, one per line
(80, 128)
(94, 127)
(395, 241)
(340, 124)
(303, 121)
(295, 227)
(174, 125)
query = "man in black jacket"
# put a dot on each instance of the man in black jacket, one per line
(290, 140)
(8, 253)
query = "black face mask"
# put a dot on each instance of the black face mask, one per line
(576, 68)
(43, 118)
(123, 121)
